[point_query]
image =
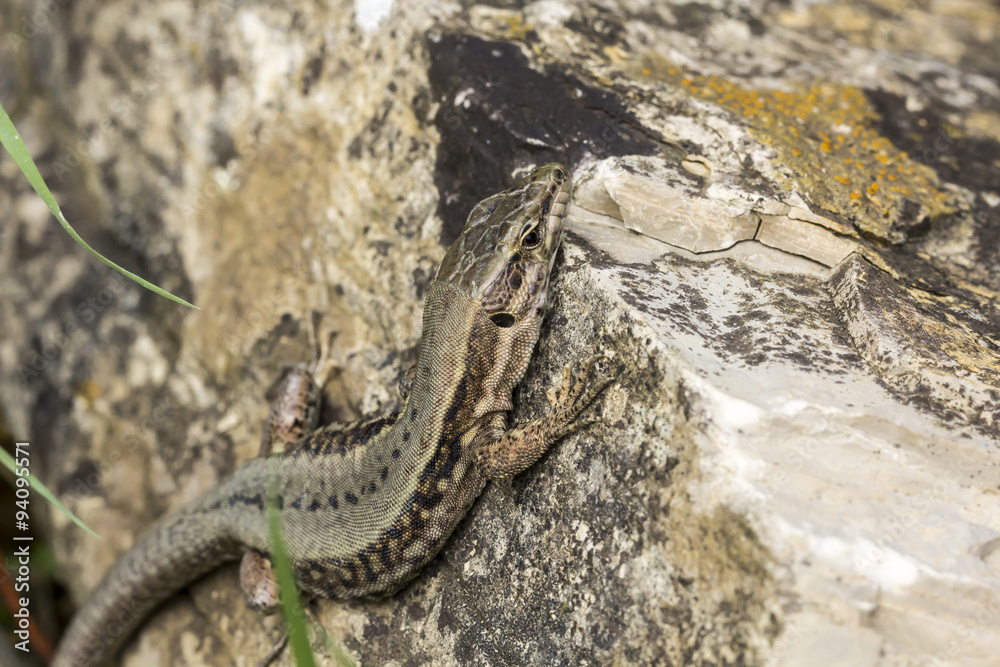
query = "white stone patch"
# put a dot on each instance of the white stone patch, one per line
(274, 58)
(803, 238)
(732, 413)
(888, 568)
(884, 520)
(475, 565)
(229, 421)
(726, 417)
(672, 215)
(462, 99)
(146, 365)
(548, 13)
(369, 14)
(35, 213)
(729, 32)
(653, 198)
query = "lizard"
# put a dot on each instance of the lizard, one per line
(365, 506)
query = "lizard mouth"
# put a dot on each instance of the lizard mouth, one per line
(554, 208)
(552, 216)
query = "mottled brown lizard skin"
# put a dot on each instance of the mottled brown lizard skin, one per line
(365, 506)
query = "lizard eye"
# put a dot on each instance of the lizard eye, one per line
(529, 236)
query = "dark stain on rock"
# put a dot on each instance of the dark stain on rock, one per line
(382, 247)
(786, 317)
(694, 17)
(313, 70)
(498, 114)
(85, 480)
(987, 240)
(602, 25)
(967, 161)
(365, 141)
(422, 281)
(223, 148)
(135, 54)
(219, 67)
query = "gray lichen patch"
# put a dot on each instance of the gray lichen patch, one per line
(599, 543)
(753, 318)
(935, 352)
(725, 556)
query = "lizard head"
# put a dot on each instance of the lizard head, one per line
(504, 256)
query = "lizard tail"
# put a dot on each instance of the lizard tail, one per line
(178, 550)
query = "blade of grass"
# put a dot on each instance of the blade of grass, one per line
(291, 604)
(8, 461)
(12, 142)
(340, 655)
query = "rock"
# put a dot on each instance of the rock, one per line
(784, 231)
(652, 198)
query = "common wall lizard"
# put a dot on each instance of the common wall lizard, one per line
(365, 506)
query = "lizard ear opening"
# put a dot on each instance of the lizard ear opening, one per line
(503, 320)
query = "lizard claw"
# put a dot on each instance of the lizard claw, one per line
(321, 367)
(574, 395)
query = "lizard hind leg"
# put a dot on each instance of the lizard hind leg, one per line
(260, 590)
(293, 416)
(295, 397)
(259, 585)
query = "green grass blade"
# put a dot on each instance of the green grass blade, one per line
(291, 603)
(12, 142)
(340, 655)
(8, 461)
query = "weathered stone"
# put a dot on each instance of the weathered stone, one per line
(932, 349)
(803, 238)
(663, 203)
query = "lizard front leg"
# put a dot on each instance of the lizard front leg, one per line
(519, 448)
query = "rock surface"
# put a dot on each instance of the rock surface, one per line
(785, 230)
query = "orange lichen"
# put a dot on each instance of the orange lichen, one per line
(825, 134)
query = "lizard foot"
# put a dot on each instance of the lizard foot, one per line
(295, 397)
(406, 382)
(282, 642)
(519, 448)
(257, 580)
(573, 395)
